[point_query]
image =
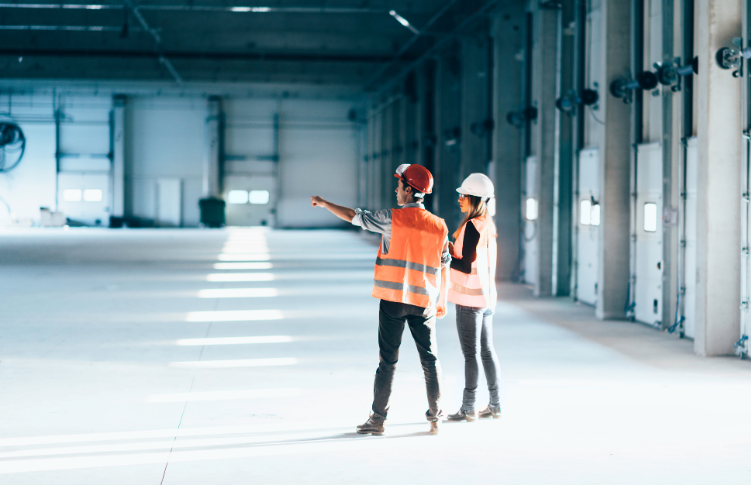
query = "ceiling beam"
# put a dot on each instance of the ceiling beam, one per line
(200, 8)
(190, 55)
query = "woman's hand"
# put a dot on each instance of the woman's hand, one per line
(451, 249)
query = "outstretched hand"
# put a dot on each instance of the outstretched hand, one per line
(440, 311)
(317, 201)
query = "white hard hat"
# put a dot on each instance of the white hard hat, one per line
(477, 184)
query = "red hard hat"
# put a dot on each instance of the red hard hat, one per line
(417, 176)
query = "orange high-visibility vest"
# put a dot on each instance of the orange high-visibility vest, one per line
(476, 289)
(411, 271)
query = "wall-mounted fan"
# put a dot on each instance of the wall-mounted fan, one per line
(12, 146)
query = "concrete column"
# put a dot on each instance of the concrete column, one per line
(409, 120)
(213, 156)
(448, 120)
(719, 189)
(613, 255)
(474, 79)
(426, 131)
(118, 156)
(387, 153)
(544, 58)
(507, 26)
(563, 159)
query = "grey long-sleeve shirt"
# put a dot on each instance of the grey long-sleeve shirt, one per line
(380, 223)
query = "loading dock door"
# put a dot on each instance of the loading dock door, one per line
(588, 215)
(84, 197)
(648, 253)
(251, 199)
(529, 215)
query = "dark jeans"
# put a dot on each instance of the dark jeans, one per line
(391, 319)
(475, 327)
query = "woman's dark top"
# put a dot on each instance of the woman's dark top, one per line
(469, 250)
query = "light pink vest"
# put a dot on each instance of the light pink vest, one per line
(478, 288)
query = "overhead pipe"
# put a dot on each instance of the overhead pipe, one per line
(198, 8)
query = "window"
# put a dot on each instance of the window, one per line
(585, 212)
(589, 213)
(92, 195)
(650, 217)
(237, 197)
(72, 195)
(531, 209)
(259, 197)
(595, 218)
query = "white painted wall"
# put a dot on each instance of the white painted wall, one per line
(165, 137)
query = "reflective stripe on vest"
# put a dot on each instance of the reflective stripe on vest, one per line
(476, 289)
(410, 272)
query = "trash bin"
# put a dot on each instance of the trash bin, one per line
(212, 212)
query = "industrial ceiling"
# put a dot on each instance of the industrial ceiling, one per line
(354, 42)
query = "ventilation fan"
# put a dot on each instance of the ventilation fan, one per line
(12, 146)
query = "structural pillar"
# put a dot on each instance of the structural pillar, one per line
(213, 157)
(474, 79)
(614, 149)
(718, 187)
(544, 61)
(450, 136)
(506, 27)
(118, 156)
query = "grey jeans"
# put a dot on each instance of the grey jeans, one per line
(392, 318)
(475, 327)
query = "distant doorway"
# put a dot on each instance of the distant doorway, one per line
(251, 200)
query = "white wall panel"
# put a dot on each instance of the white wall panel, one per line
(165, 139)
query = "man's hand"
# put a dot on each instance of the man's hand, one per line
(440, 311)
(317, 201)
(344, 213)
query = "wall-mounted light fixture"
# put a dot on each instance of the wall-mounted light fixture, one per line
(568, 103)
(623, 87)
(518, 118)
(451, 137)
(730, 57)
(482, 128)
(670, 73)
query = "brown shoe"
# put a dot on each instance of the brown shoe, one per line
(371, 426)
(434, 427)
(490, 412)
(463, 415)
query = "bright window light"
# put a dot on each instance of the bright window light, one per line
(650, 217)
(259, 197)
(240, 277)
(92, 195)
(223, 395)
(244, 257)
(225, 364)
(243, 266)
(237, 197)
(260, 9)
(239, 293)
(585, 212)
(72, 195)
(240, 9)
(531, 209)
(595, 214)
(234, 316)
(270, 339)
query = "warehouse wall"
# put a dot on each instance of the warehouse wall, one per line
(165, 143)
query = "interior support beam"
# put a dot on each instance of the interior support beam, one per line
(118, 155)
(213, 156)
(718, 188)
(615, 154)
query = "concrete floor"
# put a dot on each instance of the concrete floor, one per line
(103, 380)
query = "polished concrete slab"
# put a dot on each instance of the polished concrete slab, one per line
(247, 356)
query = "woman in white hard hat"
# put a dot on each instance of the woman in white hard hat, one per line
(472, 289)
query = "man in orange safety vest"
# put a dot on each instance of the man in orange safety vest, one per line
(411, 278)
